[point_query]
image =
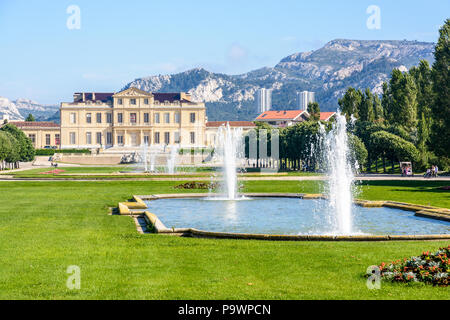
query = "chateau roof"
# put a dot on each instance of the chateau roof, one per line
(34, 124)
(170, 96)
(108, 96)
(89, 96)
(216, 124)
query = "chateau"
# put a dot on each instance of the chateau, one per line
(123, 122)
(132, 118)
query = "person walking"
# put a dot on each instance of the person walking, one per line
(436, 170)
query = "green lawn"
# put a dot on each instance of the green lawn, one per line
(47, 226)
(112, 173)
(77, 170)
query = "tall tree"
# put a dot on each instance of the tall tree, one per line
(386, 102)
(377, 108)
(314, 111)
(422, 78)
(366, 109)
(350, 103)
(30, 118)
(400, 102)
(423, 136)
(441, 87)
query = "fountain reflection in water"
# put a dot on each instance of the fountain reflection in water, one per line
(336, 152)
(230, 151)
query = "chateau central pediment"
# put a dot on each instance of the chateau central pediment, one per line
(133, 92)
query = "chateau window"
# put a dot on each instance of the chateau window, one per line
(166, 117)
(99, 138)
(88, 118)
(108, 118)
(145, 101)
(120, 140)
(133, 101)
(192, 117)
(146, 140)
(133, 117)
(146, 118)
(57, 139)
(88, 138)
(167, 137)
(120, 117)
(156, 117)
(156, 138)
(99, 117)
(73, 117)
(47, 140)
(177, 117)
(72, 138)
(192, 137)
(176, 137)
(32, 138)
(108, 138)
(119, 101)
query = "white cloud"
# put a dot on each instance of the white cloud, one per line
(236, 53)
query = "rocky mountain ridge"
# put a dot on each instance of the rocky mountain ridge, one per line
(327, 71)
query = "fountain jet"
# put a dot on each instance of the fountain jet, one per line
(340, 175)
(171, 161)
(230, 149)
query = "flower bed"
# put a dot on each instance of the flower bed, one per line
(197, 185)
(431, 268)
(56, 171)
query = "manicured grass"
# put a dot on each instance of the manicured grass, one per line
(37, 171)
(120, 172)
(47, 226)
(424, 192)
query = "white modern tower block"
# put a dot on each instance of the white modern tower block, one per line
(264, 100)
(303, 98)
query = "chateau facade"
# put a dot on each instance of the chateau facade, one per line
(132, 118)
(43, 134)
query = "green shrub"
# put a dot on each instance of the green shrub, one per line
(50, 152)
(195, 151)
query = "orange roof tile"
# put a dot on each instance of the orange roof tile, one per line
(214, 124)
(324, 116)
(280, 115)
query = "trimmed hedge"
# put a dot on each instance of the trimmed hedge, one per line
(50, 152)
(195, 151)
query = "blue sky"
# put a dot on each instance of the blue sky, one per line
(119, 41)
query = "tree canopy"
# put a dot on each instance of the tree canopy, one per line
(441, 87)
(30, 118)
(314, 111)
(24, 144)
